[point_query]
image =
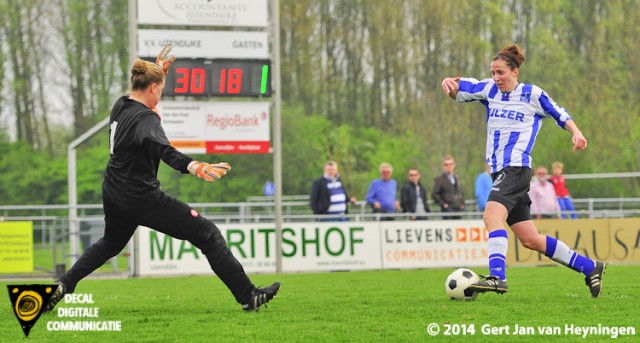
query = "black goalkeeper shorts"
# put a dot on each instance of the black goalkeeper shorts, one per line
(511, 189)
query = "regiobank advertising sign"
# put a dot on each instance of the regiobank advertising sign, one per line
(305, 247)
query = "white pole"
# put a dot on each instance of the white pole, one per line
(133, 32)
(74, 242)
(133, 53)
(277, 134)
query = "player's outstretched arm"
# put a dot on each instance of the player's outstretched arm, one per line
(578, 140)
(450, 86)
(208, 172)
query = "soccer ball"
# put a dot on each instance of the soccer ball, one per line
(458, 282)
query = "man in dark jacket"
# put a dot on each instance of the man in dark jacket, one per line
(413, 196)
(328, 195)
(447, 191)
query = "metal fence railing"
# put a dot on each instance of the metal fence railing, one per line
(293, 207)
(51, 222)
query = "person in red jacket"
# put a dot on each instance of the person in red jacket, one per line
(560, 185)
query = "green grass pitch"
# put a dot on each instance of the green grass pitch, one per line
(371, 306)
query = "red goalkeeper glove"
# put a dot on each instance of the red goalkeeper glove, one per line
(208, 172)
(164, 60)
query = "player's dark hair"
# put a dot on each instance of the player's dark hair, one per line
(144, 73)
(512, 55)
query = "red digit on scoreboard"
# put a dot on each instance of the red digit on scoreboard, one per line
(223, 80)
(235, 81)
(197, 80)
(182, 80)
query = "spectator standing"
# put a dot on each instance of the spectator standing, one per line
(447, 191)
(544, 203)
(328, 195)
(560, 185)
(382, 192)
(413, 197)
(483, 188)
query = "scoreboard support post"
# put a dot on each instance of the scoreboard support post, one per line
(277, 132)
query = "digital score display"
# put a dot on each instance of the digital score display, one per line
(218, 77)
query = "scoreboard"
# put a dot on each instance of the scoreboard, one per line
(200, 77)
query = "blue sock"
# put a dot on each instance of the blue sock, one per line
(498, 245)
(561, 253)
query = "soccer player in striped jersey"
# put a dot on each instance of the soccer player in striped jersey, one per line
(514, 117)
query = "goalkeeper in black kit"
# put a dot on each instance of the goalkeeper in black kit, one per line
(132, 194)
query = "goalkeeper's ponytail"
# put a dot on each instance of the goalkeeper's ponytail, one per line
(144, 73)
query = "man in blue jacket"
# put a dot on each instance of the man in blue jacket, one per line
(382, 192)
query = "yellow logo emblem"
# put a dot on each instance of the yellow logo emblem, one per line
(28, 302)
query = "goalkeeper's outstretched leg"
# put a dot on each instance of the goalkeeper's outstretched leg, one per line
(180, 221)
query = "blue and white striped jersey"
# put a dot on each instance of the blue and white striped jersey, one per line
(513, 119)
(337, 196)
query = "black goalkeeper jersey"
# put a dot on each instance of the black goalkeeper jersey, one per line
(137, 143)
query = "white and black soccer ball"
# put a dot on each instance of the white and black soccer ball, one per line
(458, 282)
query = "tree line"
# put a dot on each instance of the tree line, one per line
(360, 85)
